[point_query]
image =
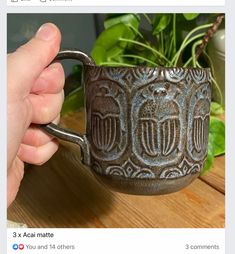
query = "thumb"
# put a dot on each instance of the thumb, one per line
(29, 60)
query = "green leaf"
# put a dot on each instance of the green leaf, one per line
(209, 162)
(160, 23)
(73, 101)
(132, 20)
(107, 46)
(216, 109)
(190, 16)
(216, 142)
(99, 54)
(77, 69)
(217, 136)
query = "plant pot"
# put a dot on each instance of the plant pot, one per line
(216, 51)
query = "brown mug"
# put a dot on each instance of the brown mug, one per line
(146, 127)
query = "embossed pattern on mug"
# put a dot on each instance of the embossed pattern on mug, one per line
(157, 118)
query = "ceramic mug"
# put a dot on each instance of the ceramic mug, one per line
(146, 127)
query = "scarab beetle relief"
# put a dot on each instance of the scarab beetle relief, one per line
(199, 115)
(105, 121)
(107, 113)
(159, 125)
(158, 131)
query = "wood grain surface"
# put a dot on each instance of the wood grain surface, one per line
(64, 193)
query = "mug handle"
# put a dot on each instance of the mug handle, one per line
(59, 132)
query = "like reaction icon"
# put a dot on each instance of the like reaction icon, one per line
(15, 246)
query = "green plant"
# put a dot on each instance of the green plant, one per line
(75, 97)
(171, 40)
(216, 142)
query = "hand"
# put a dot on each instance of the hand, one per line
(34, 96)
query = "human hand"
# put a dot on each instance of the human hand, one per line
(34, 96)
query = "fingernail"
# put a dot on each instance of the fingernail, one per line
(46, 32)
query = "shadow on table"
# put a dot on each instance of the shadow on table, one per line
(63, 193)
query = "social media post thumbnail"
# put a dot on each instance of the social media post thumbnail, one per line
(116, 120)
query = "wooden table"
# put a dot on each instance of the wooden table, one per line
(63, 193)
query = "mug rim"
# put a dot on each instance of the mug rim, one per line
(206, 69)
